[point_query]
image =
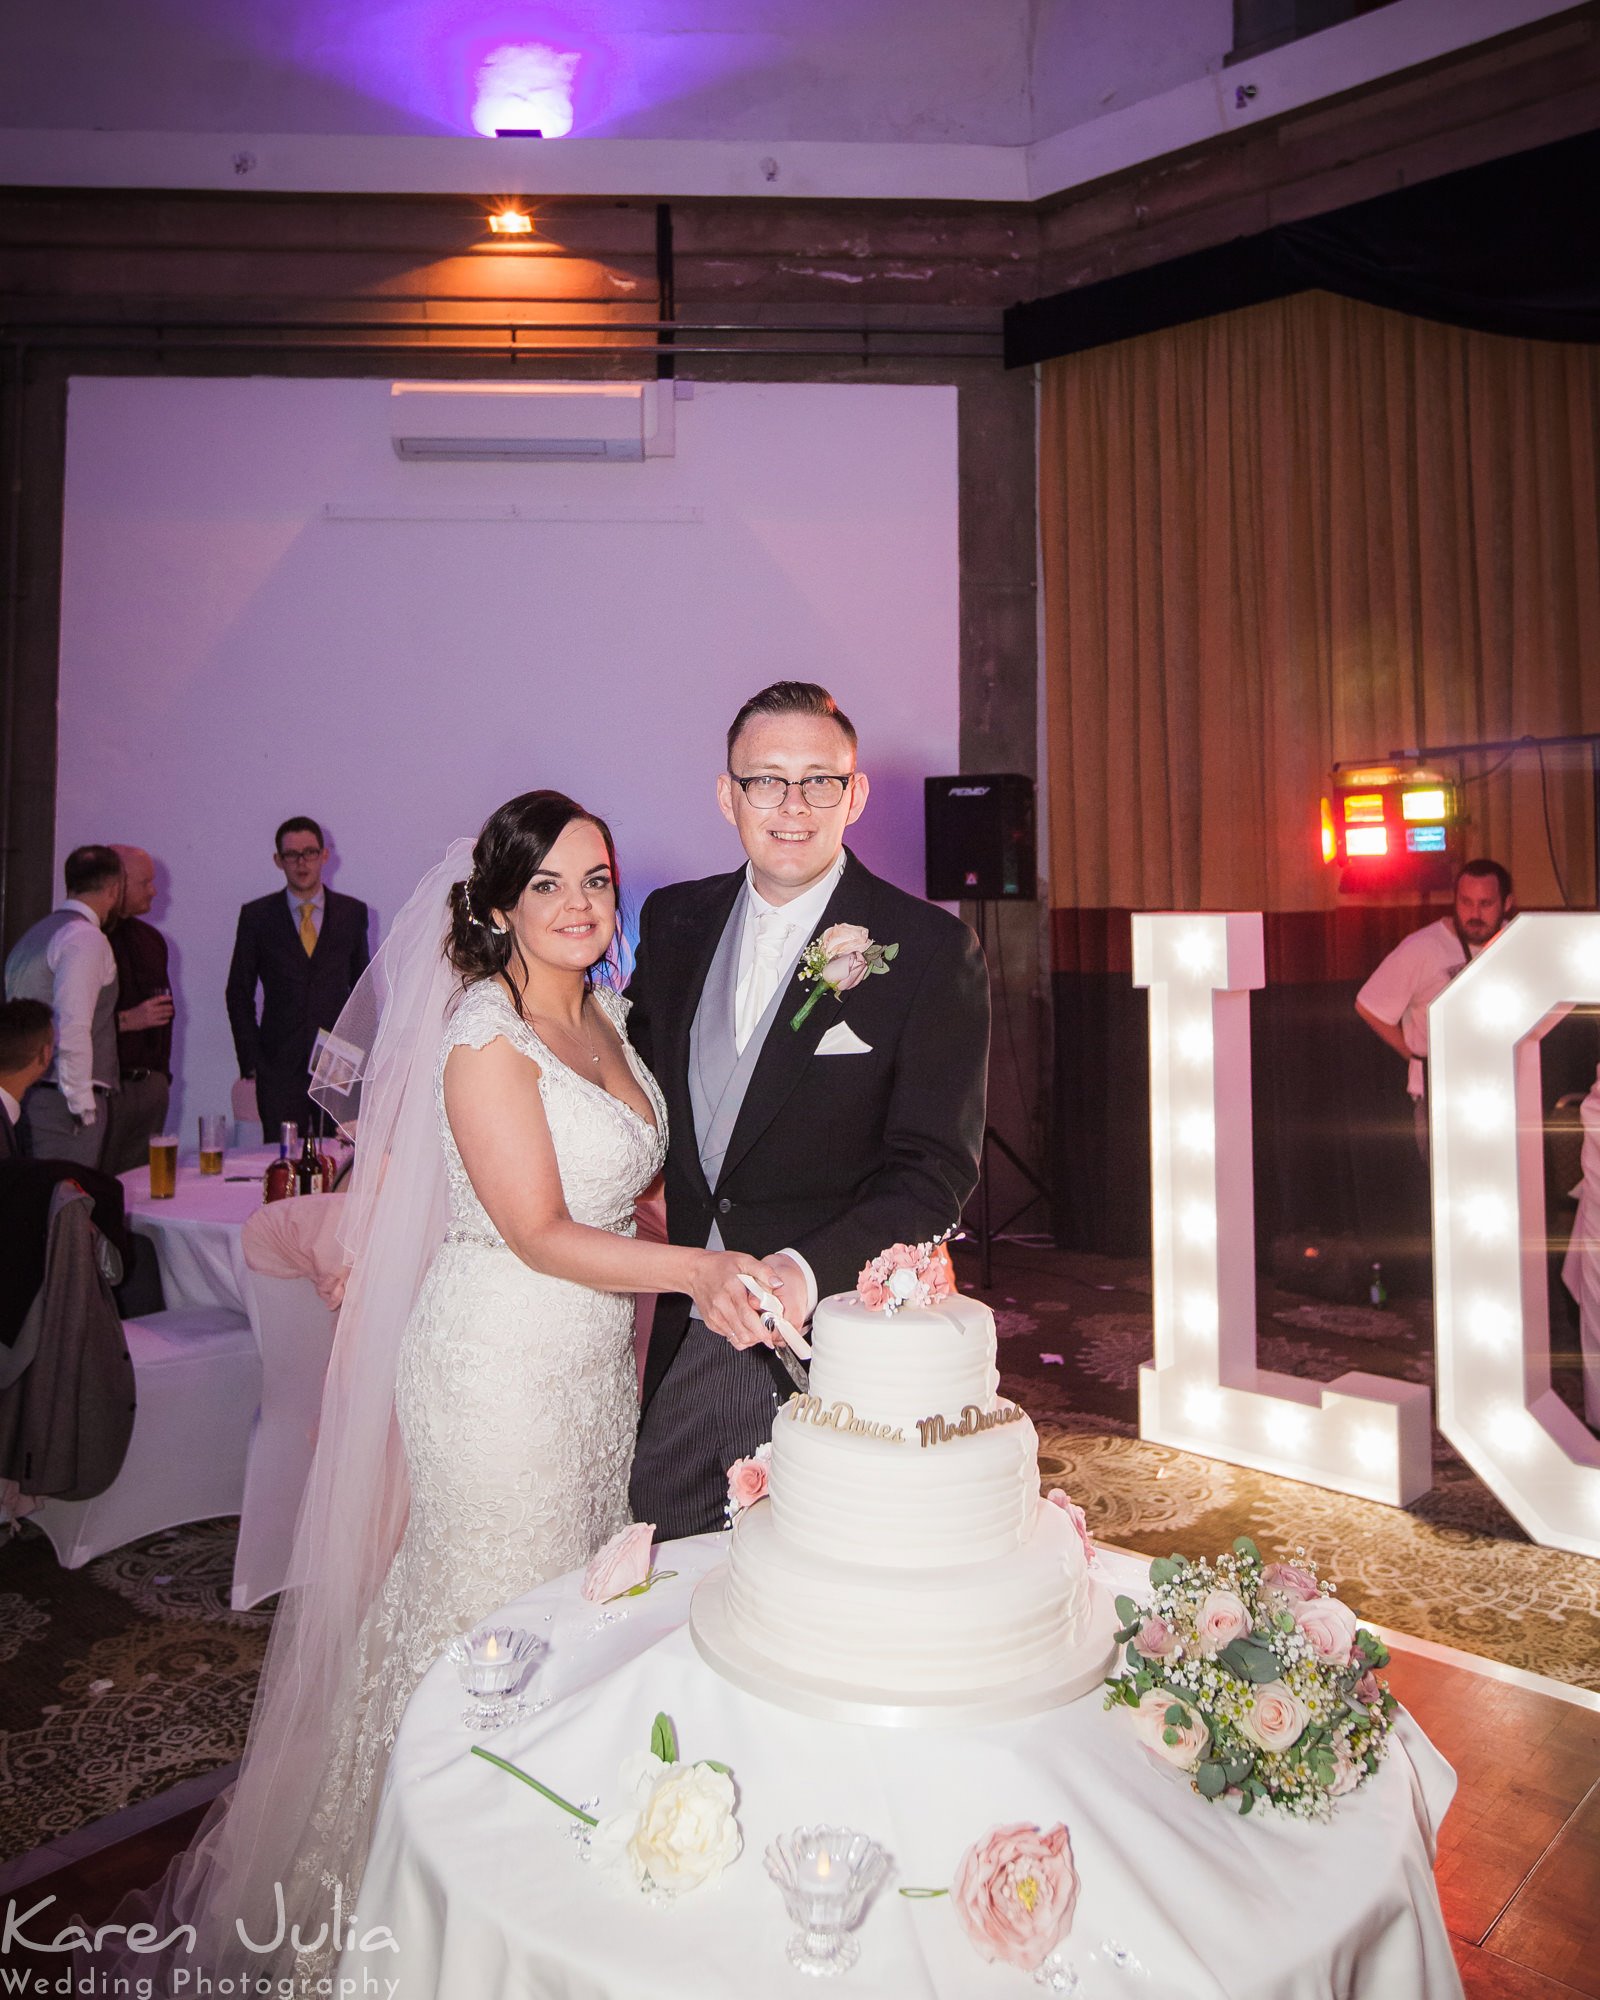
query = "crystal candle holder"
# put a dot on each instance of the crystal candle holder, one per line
(492, 1663)
(826, 1874)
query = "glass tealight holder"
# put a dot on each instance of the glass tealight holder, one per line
(826, 1874)
(492, 1664)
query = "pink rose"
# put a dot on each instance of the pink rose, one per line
(1223, 1618)
(1155, 1639)
(1329, 1628)
(1348, 1770)
(1150, 1725)
(747, 1480)
(873, 1294)
(1015, 1892)
(1368, 1689)
(1277, 1717)
(842, 974)
(1076, 1516)
(939, 1274)
(845, 940)
(623, 1562)
(1288, 1584)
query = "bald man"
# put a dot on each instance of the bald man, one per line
(144, 1019)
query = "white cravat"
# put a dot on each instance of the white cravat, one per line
(773, 931)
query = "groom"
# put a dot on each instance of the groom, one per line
(811, 1148)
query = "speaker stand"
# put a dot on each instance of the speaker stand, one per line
(984, 1234)
(987, 1230)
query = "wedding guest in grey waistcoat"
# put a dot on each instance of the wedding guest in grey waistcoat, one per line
(65, 961)
(812, 1147)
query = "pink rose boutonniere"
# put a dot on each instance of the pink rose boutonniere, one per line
(837, 961)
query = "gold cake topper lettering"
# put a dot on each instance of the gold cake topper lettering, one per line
(805, 1409)
(934, 1430)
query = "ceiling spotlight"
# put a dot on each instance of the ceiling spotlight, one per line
(511, 222)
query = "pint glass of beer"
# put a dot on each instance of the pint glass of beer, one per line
(213, 1134)
(164, 1167)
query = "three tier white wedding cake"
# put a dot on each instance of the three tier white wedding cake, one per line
(903, 1561)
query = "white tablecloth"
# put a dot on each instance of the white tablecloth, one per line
(197, 1231)
(485, 1892)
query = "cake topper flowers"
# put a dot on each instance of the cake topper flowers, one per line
(838, 960)
(907, 1274)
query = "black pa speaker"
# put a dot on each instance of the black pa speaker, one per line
(980, 839)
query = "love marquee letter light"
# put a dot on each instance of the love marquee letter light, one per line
(1363, 1434)
(1492, 1332)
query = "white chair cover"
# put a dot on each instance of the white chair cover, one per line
(296, 1334)
(197, 1375)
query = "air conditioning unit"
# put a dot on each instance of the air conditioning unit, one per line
(571, 422)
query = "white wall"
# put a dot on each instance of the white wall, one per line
(231, 654)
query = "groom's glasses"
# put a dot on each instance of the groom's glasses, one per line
(767, 794)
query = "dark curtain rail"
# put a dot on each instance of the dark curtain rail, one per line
(1510, 247)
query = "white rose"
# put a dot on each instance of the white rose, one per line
(683, 1832)
(1150, 1725)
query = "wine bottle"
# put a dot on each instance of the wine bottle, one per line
(307, 1171)
(278, 1183)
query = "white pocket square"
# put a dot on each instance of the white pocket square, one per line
(842, 1040)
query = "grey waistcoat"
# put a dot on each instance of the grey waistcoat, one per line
(28, 977)
(719, 1074)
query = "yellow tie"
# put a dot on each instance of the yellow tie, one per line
(308, 930)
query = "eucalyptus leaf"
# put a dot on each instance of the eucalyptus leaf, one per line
(1210, 1781)
(1243, 1546)
(1126, 1632)
(1247, 1803)
(1238, 1769)
(1127, 1610)
(1250, 1660)
(1177, 1715)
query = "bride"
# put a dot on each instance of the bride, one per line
(478, 1421)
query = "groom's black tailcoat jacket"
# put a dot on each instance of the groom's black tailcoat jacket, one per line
(835, 1156)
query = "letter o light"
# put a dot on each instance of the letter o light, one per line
(1492, 1319)
(1362, 1434)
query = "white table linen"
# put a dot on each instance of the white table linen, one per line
(197, 1232)
(484, 1891)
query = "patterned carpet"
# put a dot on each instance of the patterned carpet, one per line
(120, 1679)
(1454, 1568)
(124, 1678)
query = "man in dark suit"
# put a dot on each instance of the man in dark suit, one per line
(27, 1044)
(305, 946)
(813, 1148)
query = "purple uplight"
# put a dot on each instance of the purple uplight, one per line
(525, 86)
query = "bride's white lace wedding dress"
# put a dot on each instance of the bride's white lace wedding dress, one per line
(517, 1402)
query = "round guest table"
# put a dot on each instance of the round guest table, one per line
(197, 1231)
(484, 1889)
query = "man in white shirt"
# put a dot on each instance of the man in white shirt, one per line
(27, 1042)
(1394, 1002)
(65, 961)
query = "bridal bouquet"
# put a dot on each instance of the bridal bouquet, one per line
(1254, 1679)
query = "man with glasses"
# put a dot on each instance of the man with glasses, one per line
(812, 1147)
(305, 946)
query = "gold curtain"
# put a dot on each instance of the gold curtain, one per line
(1310, 531)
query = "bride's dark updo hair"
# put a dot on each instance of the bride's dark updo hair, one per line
(510, 851)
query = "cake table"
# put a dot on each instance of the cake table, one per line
(484, 1889)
